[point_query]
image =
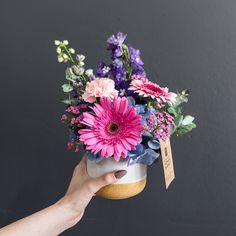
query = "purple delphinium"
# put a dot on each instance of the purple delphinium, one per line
(118, 71)
(119, 74)
(115, 44)
(103, 70)
(117, 63)
(135, 56)
(122, 87)
(114, 41)
(136, 61)
(122, 66)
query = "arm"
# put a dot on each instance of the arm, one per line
(68, 211)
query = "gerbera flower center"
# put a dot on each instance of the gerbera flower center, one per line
(152, 88)
(113, 127)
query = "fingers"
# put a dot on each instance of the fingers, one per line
(94, 184)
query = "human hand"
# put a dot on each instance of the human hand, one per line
(82, 188)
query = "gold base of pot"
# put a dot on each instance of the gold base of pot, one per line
(122, 191)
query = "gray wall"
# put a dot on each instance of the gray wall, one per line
(184, 44)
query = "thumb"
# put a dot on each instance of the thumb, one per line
(106, 179)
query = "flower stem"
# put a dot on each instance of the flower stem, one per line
(68, 53)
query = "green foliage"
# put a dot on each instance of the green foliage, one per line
(67, 88)
(75, 74)
(183, 124)
(69, 101)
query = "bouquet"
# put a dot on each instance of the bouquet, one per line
(115, 112)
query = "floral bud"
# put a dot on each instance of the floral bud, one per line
(58, 50)
(80, 58)
(60, 58)
(72, 50)
(89, 72)
(65, 42)
(81, 63)
(57, 42)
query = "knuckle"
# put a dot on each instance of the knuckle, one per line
(107, 179)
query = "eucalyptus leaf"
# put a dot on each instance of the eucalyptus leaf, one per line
(70, 75)
(181, 97)
(185, 129)
(187, 120)
(69, 101)
(178, 120)
(67, 88)
(172, 110)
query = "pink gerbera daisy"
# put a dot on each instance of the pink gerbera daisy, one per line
(114, 128)
(146, 88)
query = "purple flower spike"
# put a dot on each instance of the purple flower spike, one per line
(117, 63)
(115, 44)
(135, 57)
(116, 40)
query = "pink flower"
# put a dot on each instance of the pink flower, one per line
(146, 88)
(75, 121)
(72, 145)
(113, 130)
(63, 118)
(164, 121)
(75, 109)
(99, 88)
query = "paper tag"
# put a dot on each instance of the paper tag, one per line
(167, 162)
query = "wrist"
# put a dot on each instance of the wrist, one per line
(68, 208)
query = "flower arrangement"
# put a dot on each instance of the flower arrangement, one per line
(116, 111)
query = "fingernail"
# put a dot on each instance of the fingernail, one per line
(120, 173)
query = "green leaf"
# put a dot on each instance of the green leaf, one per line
(67, 88)
(183, 129)
(172, 110)
(187, 120)
(70, 75)
(69, 101)
(178, 120)
(181, 97)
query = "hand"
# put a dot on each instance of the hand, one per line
(82, 188)
(64, 214)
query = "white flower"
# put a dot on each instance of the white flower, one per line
(65, 42)
(57, 42)
(58, 50)
(122, 92)
(89, 72)
(80, 57)
(81, 63)
(72, 50)
(105, 69)
(80, 71)
(60, 58)
(65, 56)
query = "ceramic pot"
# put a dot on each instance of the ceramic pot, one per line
(128, 186)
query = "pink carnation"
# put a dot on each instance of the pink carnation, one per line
(146, 88)
(114, 128)
(99, 88)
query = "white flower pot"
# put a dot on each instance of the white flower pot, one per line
(128, 186)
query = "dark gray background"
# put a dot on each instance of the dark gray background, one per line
(184, 44)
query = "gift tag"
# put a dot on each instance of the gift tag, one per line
(167, 162)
